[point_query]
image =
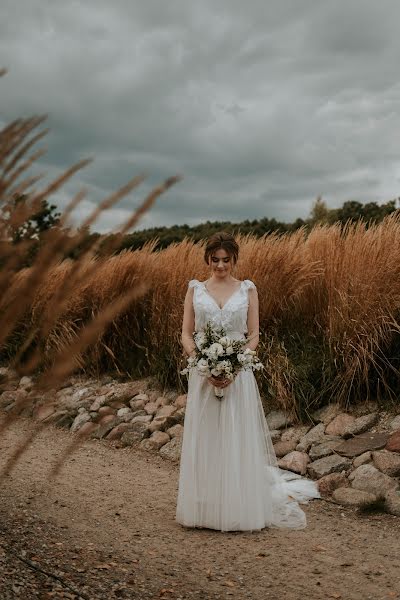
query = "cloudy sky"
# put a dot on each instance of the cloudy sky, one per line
(261, 105)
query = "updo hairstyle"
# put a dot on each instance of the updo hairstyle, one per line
(222, 240)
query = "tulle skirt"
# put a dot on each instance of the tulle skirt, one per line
(229, 479)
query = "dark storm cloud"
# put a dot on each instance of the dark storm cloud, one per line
(260, 105)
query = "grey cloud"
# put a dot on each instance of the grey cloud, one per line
(261, 106)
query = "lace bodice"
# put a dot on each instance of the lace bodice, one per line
(232, 316)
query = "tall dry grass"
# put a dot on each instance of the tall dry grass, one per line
(329, 312)
(49, 317)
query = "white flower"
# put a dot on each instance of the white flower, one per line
(199, 339)
(224, 341)
(229, 350)
(248, 351)
(216, 349)
(216, 372)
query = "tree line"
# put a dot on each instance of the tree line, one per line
(33, 228)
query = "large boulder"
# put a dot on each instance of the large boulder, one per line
(326, 414)
(392, 502)
(172, 449)
(136, 433)
(328, 483)
(360, 425)
(325, 448)
(352, 497)
(362, 443)
(282, 448)
(295, 461)
(387, 462)
(328, 464)
(294, 433)
(155, 441)
(311, 437)
(394, 424)
(339, 424)
(370, 479)
(80, 419)
(393, 443)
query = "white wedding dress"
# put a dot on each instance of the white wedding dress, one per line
(229, 479)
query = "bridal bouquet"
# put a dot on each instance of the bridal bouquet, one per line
(219, 356)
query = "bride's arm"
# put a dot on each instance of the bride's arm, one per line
(188, 324)
(253, 320)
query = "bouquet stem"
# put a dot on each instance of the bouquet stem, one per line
(218, 393)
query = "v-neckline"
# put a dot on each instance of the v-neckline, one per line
(229, 299)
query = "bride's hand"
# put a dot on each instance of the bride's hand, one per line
(219, 383)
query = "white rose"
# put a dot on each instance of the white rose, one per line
(224, 341)
(229, 350)
(216, 349)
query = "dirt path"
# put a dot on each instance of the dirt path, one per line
(106, 527)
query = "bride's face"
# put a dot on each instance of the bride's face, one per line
(220, 263)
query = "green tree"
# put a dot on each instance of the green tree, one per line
(24, 221)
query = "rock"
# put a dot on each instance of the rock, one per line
(80, 420)
(393, 443)
(155, 441)
(328, 464)
(394, 425)
(98, 403)
(7, 398)
(361, 443)
(43, 412)
(295, 433)
(117, 404)
(107, 419)
(166, 411)
(275, 435)
(282, 448)
(124, 392)
(140, 413)
(137, 433)
(363, 459)
(325, 448)
(340, 424)
(295, 461)
(106, 426)
(26, 383)
(180, 401)
(162, 423)
(137, 404)
(172, 450)
(142, 397)
(106, 410)
(87, 429)
(179, 415)
(175, 430)
(352, 497)
(142, 419)
(326, 414)
(116, 432)
(387, 462)
(328, 483)
(311, 437)
(124, 411)
(392, 502)
(151, 408)
(163, 401)
(360, 425)
(369, 479)
(277, 419)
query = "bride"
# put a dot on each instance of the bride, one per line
(229, 479)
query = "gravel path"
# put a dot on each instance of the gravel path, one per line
(105, 528)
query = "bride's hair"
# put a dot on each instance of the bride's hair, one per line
(221, 240)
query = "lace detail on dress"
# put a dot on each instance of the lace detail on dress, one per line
(249, 285)
(232, 316)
